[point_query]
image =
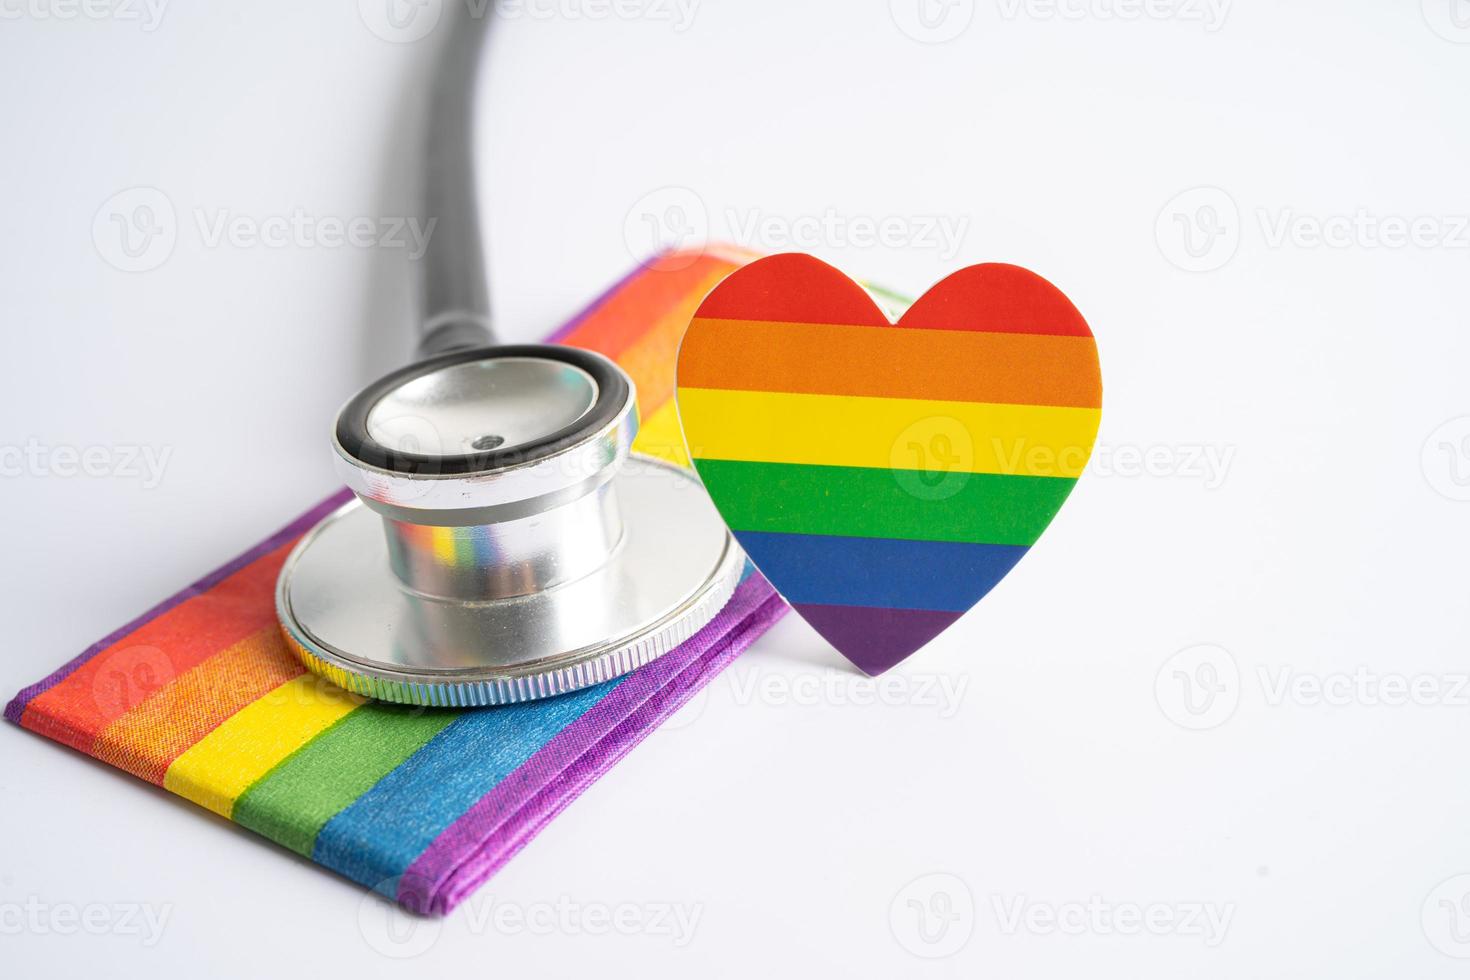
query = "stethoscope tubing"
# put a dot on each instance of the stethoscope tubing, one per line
(455, 294)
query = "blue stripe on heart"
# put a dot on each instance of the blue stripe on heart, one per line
(827, 570)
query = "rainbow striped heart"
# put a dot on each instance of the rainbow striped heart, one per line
(885, 477)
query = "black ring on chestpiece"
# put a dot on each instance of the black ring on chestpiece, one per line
(613, 389)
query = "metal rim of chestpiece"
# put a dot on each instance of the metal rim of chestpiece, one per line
(505, 543)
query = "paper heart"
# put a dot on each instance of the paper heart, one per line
(885, 477)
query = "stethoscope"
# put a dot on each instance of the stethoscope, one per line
(504, 544)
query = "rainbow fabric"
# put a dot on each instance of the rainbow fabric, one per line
(199, 695)
(886, 477)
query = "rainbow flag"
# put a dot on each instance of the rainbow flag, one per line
(200, 695)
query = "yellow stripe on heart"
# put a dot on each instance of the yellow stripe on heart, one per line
(890, 433)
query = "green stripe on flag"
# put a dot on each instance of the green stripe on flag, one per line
(291, 803)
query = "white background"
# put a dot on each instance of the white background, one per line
(1091, 751)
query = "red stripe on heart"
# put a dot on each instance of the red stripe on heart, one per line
(795, 289)
(997, 298)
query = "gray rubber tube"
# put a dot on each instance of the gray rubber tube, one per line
(455, 290)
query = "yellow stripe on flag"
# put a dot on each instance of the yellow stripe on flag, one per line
(251, 742)
(888, 433)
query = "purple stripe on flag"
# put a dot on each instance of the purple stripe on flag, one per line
(491, 832)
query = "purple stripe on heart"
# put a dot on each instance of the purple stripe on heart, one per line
(876, 639)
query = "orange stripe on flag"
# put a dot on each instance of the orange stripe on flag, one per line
(126, 674)
(650, 361)
(622, 319)
(147, 739)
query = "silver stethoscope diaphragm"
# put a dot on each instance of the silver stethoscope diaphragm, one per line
(505, 543)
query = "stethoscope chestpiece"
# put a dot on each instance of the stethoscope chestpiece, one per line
(505, 543)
